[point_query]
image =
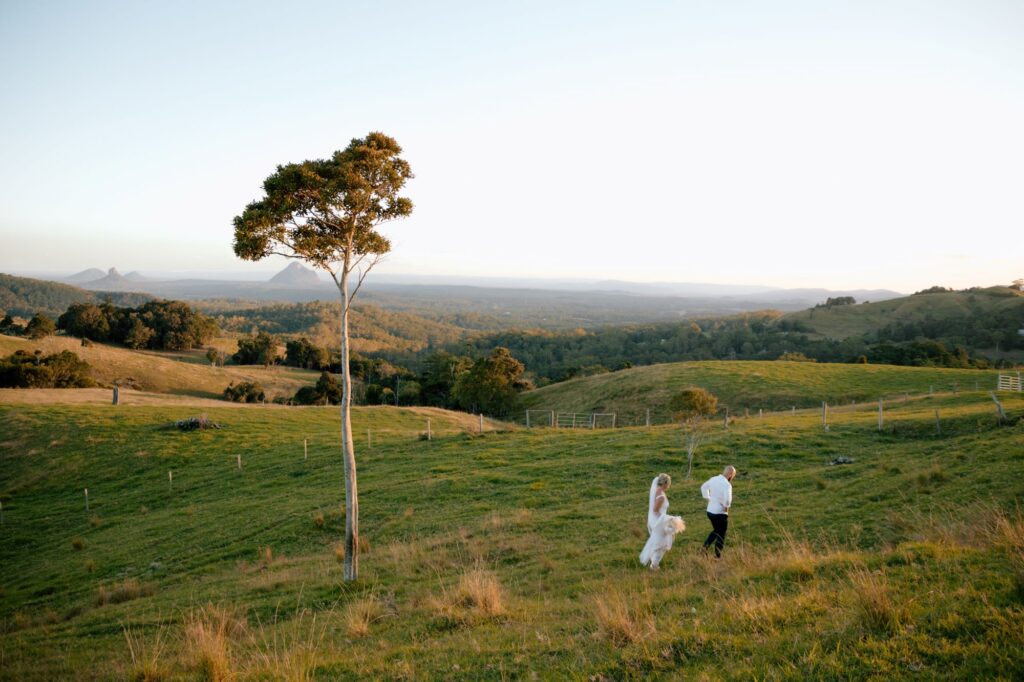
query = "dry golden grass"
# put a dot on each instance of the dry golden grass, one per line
(147, 657)
(209, 634)
(361, 614)
(623, 618)
(159, 372)
(123, 591)
(284, 651)
(874, 606)
(477, 596)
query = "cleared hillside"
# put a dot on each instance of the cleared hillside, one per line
(507, 556)
(752, 385)
(176, 373)
(956, 308)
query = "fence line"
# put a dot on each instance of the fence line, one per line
(655, 417)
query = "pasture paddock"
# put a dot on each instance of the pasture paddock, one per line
(910, 560)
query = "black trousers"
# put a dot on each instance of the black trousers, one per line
(719, 524)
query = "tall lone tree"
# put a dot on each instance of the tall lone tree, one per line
(326, 212)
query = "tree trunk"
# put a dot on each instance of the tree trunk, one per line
(347, 446)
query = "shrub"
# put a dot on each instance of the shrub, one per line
(691, 403)
(245, 392)
(39, 326)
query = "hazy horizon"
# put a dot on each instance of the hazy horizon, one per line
(789, 145)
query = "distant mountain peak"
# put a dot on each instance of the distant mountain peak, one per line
(84, 276)
(296, 275)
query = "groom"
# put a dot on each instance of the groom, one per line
(717, 490)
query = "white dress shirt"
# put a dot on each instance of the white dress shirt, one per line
(717, 490)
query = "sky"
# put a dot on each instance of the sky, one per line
(829, 144)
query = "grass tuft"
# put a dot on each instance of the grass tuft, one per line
(874, 607)
(361, 614)
(477, 596)
(126, 590)
(208, 634)
(146, 657)
(623, 618)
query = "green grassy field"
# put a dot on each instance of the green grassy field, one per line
(745, 385)
(840, 322)
(508, 555)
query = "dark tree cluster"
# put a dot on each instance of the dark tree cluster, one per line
(831, 301)
(327, 391)
(923, 353)
(158, 325)
(245, 392)
(32, 370)
(307, 355)
(260, 349)
(38, 327)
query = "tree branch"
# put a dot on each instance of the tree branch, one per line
(377, 257)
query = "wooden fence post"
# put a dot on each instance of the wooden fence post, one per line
(999, 408)
(527, 419)
(369, 440)
(305, 449)
(429, 434)
(880, 417)
(938, 424)
(481, 422)
(170, 480)
(239, 460)
(86, 499)
(648, 417)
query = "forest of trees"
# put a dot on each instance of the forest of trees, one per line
(24, 297)
(159, 325)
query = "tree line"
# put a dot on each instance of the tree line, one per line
(157, 325)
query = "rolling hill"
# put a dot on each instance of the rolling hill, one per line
(25, 297)
(748, 385)
(185, 373)
(959, 311)
(511, 555)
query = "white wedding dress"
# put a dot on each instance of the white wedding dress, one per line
(660, 540)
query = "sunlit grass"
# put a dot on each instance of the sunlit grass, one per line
(510, 553)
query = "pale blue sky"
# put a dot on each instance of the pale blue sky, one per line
(860, 144)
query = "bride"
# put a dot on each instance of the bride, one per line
(660, 525)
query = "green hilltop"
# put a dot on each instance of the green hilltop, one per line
(511, 554)
(748, 386)
(952, 312)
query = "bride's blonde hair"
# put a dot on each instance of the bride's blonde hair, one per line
(664, 480)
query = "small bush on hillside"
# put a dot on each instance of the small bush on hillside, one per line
(795, 357)
(691, 403)
(40, 326)
(245, 392)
